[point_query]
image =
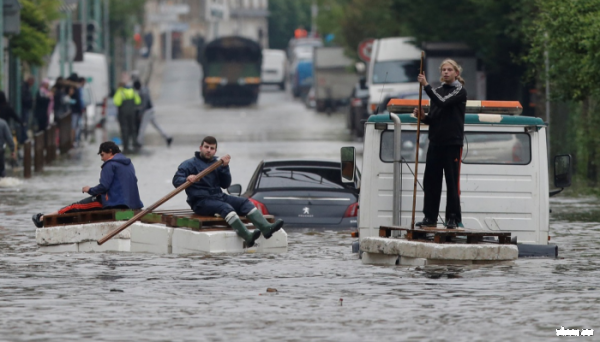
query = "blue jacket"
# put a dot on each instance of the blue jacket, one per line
(118, 184)
(210, 185)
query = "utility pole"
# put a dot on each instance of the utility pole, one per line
(69, 41)
(98, 20)
(62, 47)
(2, 46)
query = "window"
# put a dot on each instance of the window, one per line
(300, 177)
(479, 147)
(396, 71)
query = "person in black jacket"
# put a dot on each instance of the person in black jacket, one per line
(206, 198)
(446, 120)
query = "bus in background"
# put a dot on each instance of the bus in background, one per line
(231, 68)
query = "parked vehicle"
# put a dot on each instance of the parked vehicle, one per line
(94, 68)
(231, 71)
(274, 68)
(357, 111)
(304, 193)
(393, 69)
(503, 178)
(301, 76)
(333, 80)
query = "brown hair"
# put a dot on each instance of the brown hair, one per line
(456, 67)
(209, 140)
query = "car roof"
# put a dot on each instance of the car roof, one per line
(301, 162)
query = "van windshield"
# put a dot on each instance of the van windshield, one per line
(405, 71)
(479, 147)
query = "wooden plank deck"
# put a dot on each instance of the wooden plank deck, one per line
(179, 218)
(443, 235)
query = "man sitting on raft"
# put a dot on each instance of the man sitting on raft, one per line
(117, 189)
(206, 198)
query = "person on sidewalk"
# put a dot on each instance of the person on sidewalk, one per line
(117, 189)
(127, 102)
(43, 106)
(446, 120)
(26, 107)
(148, 115)
(206, 198)
(5, 139)
(6, 111)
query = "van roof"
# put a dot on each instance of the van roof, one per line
(471, 119)
(396, 48)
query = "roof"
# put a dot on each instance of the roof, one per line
(471, 119)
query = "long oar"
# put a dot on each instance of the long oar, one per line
(412, 222)
(161, 201)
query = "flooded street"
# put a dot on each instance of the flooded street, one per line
(324, 292)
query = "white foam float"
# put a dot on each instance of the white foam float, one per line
(151, 238)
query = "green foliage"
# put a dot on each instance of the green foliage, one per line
(124, 14)
(568, 30)
(286, 16)
(33, 43)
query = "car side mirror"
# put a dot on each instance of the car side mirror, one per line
(562, 171)
(348, 159)
(235, 190)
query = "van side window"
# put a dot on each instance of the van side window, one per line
(504, 148)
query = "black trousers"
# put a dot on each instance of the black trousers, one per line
(442, 160)
(2, 173)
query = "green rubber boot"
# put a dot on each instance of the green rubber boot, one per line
(240, 228)
(267, 229)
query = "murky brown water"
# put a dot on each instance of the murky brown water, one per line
(324, 293)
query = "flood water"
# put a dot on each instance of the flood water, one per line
(324, 292)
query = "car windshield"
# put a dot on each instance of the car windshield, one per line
(300, 177)
(396, 71)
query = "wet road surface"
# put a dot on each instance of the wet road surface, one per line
(324, 293)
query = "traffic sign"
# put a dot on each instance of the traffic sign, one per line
(364, 49)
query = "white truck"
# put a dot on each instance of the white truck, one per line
(504, 181)
(333, 78)
(393, 69)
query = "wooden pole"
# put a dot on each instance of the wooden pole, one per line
(161, 201)
(412, 222)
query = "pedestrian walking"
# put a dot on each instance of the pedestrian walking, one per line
(26, 107)
(147, 110)
(127, 102)
(206, 198)
(6, 139)
(117, 188)
(77, 106)
(43, 106)
(7, 112)
(446, 120)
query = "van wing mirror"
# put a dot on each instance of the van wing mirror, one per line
(562, 171)
(348, 159)
(235, 190)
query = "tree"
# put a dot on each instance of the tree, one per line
(568, 32)
(286, 16)
(33, 43)
(124, 14)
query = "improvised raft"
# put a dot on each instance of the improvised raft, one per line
(160, 232)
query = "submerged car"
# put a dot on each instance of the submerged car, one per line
(304, 193)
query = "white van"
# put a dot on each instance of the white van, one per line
(504, 181)
(94, 68)
(273, 67)
(393, 69)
